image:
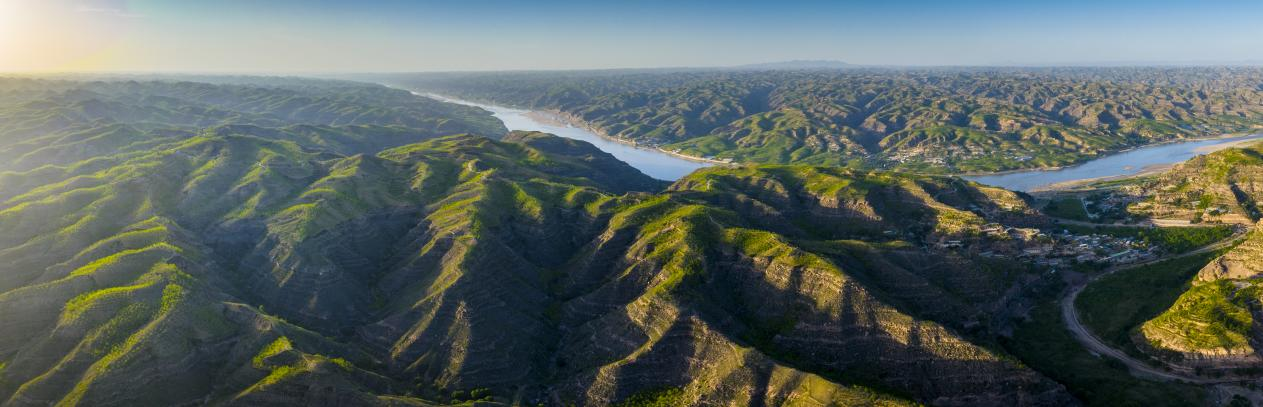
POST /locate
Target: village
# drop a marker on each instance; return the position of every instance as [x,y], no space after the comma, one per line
[1054,247]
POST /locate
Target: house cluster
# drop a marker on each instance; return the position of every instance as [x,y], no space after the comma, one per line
[1110,206]
[916,156]
[1094,248]
[1056,248]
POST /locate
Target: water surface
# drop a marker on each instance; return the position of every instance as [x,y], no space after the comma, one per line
[1121,164]
[652,162]
[664,166]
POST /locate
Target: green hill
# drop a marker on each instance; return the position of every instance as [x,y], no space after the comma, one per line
[59,122]
[1212,324]
[286,263]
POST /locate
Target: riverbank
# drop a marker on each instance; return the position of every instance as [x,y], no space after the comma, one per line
[1203,150]
[571,120]
[1238,143]
[559,118]
[1139,161]
[1151,169]
[655,162]
[1072,185]
[1126,163]
[1154,169]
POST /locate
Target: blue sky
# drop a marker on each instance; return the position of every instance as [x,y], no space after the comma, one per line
[343,36]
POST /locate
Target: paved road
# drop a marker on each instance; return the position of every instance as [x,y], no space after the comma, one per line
[1089,340]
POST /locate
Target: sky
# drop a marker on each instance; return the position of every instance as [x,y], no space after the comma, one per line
[314,36]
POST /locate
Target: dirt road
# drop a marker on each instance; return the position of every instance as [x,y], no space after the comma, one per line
[1139,368]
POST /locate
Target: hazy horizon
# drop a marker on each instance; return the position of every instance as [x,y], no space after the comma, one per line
[293,37]
[352,73]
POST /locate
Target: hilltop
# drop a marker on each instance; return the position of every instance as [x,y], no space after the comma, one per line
[1224,187]
[393,275]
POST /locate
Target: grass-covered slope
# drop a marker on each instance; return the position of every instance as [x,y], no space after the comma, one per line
[1212,324]
[243,266]
[161,265]
[764,258]
[1211,320]
[45,121]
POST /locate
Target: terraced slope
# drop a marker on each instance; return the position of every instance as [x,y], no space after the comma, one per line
[1210,325]
[932,120]
[1213,324]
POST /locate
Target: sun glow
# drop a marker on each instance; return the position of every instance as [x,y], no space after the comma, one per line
[53,35]
[10,27]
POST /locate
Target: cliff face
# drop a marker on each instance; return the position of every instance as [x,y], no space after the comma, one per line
[229,268]
[1243,262]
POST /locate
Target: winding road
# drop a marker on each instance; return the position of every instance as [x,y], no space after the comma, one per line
[1089,340]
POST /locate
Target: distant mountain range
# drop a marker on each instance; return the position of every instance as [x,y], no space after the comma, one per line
[795,65]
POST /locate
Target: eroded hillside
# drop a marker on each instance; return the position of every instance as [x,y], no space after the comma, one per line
[1213,324]
[266,263]
[247,270]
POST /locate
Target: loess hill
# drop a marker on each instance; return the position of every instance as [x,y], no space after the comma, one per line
[1214,323]
[952,120]
[310,242]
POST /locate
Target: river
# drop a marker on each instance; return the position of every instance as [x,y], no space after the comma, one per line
[665,166]
[1123,164]
[652,162]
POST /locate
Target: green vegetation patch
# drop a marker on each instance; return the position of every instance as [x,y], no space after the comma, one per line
[274,348]
[667,397]
[1115,305]
[1172,239]
[1067,208]
[1044,344]
[1209,316]
[80,304]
